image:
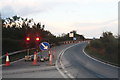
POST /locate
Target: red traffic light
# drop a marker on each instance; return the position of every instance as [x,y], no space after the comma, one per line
[37,38]
[27,38]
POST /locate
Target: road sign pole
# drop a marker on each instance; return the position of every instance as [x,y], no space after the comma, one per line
[28,52]
[37,43]
[37,49]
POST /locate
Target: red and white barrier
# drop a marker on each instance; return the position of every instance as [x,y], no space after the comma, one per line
[35,59]
[50,57]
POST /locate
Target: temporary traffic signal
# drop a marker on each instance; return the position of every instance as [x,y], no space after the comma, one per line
[37,38]
[27,38]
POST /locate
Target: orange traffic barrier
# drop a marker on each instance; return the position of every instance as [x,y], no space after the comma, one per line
[35,58]
[50,58]
[7,60]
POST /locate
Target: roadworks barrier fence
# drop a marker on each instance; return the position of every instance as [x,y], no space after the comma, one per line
[16,55]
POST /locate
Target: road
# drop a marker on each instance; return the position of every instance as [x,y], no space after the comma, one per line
[76,63]
[22,69]
[71,63]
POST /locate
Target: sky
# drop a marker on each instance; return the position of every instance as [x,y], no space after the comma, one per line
[88,17]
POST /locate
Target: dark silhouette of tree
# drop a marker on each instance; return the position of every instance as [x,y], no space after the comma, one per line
[43,26]
[15,18]
[38,25]
[19,28]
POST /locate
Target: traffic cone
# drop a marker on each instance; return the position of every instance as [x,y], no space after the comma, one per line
[35,58]
[50,58]
[7,60]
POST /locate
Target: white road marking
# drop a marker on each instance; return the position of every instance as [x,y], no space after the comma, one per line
[68,74]
[65,71]
[60,70]
[60,55]
[99,60]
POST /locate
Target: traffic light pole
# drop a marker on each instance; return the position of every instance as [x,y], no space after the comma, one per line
[27,45]
[37,43]
[37,46]
[28,52]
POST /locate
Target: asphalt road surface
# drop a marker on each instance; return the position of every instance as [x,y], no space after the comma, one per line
[79,65]
[71,62]
[22,69]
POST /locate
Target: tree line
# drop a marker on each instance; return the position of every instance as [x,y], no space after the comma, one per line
[15,29]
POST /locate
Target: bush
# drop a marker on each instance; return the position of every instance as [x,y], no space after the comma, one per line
[9,45]
[96,44]
[108,45]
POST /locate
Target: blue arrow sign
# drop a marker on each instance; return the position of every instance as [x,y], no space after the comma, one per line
[44,46]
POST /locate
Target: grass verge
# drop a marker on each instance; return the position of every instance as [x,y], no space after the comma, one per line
[107,58]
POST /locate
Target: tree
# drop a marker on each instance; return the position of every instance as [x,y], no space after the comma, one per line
[109,42]
[38,25]
[15,18]
[43,26]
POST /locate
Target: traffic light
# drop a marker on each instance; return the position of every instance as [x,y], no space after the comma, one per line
[37,38]
[27,38]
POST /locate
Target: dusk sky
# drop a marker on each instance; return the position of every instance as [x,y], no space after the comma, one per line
[88,17]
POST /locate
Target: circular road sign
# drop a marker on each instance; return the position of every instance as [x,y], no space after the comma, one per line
[44,46]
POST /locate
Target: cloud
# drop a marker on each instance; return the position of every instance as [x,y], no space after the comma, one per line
[88,29]
[24,7]
[95,28]
[7,11]
[95,23]
[58,28]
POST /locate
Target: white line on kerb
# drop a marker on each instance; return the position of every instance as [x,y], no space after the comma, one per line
[58,67]
[61,54]
[60,71]
[99,60]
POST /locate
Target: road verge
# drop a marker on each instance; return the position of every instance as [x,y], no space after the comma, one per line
[99,59]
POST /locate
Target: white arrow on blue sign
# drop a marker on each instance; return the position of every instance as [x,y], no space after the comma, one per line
[44,46]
